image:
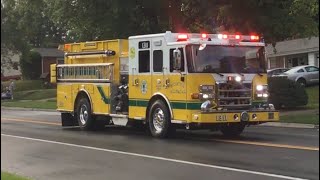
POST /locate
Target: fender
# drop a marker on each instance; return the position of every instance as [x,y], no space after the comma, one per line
[167,101]
[82,90]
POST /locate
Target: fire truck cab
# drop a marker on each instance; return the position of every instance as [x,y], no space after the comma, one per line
[166,81]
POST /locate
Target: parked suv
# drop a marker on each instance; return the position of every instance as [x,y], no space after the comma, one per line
[305,75]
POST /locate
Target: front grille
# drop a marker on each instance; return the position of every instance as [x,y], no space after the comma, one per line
[233,95]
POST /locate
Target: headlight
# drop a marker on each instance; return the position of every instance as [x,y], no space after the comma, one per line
[206,96]
[238,79]
[259,88]
[262,91]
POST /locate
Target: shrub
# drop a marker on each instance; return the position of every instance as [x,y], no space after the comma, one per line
[284,92]
[30,63]
[25,85]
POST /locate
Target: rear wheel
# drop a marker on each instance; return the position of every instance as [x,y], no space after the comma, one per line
[159,120]
[232,130]
[302,82]
[84,116]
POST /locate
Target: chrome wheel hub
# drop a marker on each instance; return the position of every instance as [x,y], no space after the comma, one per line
[84,114]
[158,120]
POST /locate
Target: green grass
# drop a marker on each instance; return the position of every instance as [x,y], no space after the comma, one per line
[40,98]
[304,118]
[30,104]
[24,85]
[35,94]
[313,97]
[9,176]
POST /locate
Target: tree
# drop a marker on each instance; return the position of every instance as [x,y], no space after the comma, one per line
[42,23]
[25,24]
[30,64]
[276,20]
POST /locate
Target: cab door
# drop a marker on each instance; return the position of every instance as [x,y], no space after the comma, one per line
[167,81]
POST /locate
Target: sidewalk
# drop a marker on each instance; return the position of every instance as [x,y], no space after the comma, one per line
[299,111]
[290,125]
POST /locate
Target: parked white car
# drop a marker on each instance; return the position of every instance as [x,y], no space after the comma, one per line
[305,75]
[276,71]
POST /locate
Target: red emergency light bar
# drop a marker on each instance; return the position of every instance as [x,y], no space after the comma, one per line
[182,37]
[204,36]
[254,38]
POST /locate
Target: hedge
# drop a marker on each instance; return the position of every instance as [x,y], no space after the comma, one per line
[286,93]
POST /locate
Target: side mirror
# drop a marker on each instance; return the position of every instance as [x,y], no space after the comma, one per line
[202,47]
[177,59]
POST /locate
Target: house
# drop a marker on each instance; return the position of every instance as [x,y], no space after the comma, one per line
[10,68]
[288,54]
[49,56]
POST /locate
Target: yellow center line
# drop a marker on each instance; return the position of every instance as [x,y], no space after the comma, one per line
[30,121]
[217,140]
[269,145]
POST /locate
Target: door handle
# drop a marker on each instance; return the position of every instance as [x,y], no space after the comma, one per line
[135,81]
[167,83]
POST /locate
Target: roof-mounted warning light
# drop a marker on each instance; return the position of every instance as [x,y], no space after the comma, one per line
[204,36]
[182,37]
[222,36]
[254,38]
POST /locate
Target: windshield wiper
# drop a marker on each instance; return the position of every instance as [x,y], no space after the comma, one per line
[217,73]
[240,74]
[259,74]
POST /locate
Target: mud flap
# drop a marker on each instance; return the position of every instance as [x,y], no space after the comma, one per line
[68,119]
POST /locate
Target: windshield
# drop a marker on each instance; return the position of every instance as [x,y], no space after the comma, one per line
[225,59]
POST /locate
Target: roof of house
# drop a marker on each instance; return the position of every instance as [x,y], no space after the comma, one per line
[49,52]
[291,47]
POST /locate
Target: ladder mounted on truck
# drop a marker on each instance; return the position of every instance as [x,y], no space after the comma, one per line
[95,72]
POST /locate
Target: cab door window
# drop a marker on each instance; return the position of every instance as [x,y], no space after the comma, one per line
[157,61]
[144,61]
[144,56]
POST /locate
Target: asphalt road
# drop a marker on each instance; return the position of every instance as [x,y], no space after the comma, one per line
[33,144]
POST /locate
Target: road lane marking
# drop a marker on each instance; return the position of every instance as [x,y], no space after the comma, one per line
[203,139]
[31,121]
[264,144]
[159,158]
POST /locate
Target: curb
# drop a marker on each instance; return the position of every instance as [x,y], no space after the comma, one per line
[290,125]
[27,109]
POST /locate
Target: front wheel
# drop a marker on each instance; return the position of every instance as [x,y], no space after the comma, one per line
[84,116]
[232,130]
[159,120]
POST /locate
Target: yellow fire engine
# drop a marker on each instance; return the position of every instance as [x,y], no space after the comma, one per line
[165,81]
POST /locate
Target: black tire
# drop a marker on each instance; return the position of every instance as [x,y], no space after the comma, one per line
[302,82]
[83,114]
[159,128]
[232,130]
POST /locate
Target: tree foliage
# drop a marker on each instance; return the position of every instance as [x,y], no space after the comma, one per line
[30,64]
[42,23]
